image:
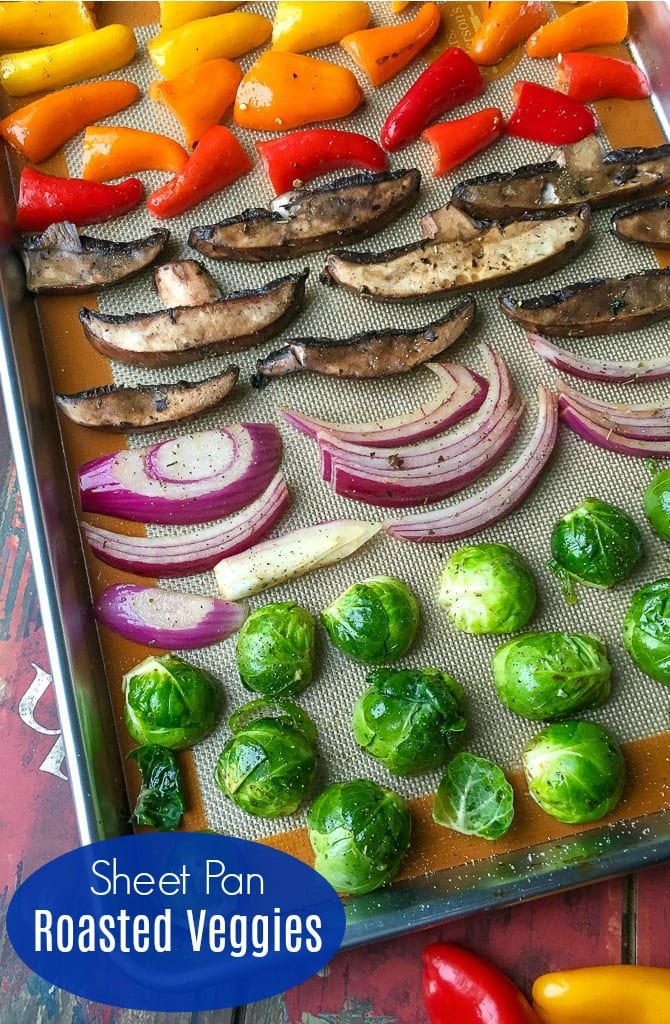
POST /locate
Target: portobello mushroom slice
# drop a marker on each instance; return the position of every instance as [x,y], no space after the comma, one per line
[147,406]
[577,173]
[381,353]
[518,250]
[311,220]
[647,221]
[185,283]
[184,334]
[600,306]
[63,261]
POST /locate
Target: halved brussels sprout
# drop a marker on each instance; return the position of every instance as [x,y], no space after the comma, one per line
[474,797]
[409,719]
[551,675]
[487,588]
[360,833]
[269,764]
[275,649]
[170,701]
[597,544]
[656,503]
[646,629]
[374,621]
[575,771]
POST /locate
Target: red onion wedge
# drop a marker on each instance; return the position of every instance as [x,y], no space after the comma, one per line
[197,551]
[293,554]
[167,618]
[498,499]
[188,479]
[582,422]
[644,422]
[589,368]
[461,392]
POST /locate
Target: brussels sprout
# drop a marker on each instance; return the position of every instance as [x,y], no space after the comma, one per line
[275,650]
[656,503]
[160,802]
[487,588]
[474,798]
[409,719]
[575,771]
[646,629]
[551,675]
[596,543]
[269,764]
[360,833]
[374,621]
[170,702]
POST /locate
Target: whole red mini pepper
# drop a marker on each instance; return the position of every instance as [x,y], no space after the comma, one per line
[448,82]
[45,199]
[460,987]
[590,76]
[546,115]
[290,160]
[454,142]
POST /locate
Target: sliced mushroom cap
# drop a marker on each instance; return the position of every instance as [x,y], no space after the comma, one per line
[311,220]
[185,283]
[647,221]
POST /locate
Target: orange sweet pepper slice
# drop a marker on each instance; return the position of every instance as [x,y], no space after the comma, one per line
[43,126]
[113,151]
[504,26]
[382,52]
[224,35]
[200,97]
[304,26]
[593,24]
[288,90]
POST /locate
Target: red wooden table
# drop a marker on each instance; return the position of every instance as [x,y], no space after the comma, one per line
[622,919]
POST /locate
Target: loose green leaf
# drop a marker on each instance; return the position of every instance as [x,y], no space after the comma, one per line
[474,798]
[160,803]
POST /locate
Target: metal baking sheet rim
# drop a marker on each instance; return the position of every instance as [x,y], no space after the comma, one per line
[93,759]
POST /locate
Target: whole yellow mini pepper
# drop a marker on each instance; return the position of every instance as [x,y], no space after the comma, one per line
[178,12]
[52,67]
[617,994]
[305,26]
[24,25]
[225,35]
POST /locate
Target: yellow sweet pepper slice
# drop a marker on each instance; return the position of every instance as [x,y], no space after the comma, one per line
[52,67]
[178,12]
[224,35]
[616,994]
[24,25]
[305,26]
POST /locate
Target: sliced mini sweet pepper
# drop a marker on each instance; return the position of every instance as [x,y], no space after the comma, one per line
[174,13]
[454,142]
[52,67]
[40,128]
[589,76]
[24,25]
[382,52]
[224,35]
[615,994]
[291,160]
[305,26]
[593,24]
[288,90]
[460,987]
[200,97]
[504,26]
[217,161]
[448,82]
[398,6]
[45,199]
[546,115]
[113,151]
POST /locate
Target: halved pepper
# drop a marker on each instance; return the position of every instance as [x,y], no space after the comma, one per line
[199,97]
[504,26]
[454,142]
[45,199]
[305,26]
[25,25]
[217,161]
[291,160]
[224,35]
[382,52]
[460,987]
[288,90]
[546,115]
[615,994]
[589,76]
[174,13]
[593,24]
[112,151]
[40,128]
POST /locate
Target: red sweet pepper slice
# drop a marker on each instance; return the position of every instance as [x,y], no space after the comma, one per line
[217,161]
[589,76]
[291,160]
[546,115]
[460,987]
[448,82]
[45,199]
[454,142]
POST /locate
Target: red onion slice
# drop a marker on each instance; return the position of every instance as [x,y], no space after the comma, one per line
[650,422]
[579,420]
[461,392]
[496,500]
[167,618]
[198,551]
[609,370]
[188,479]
